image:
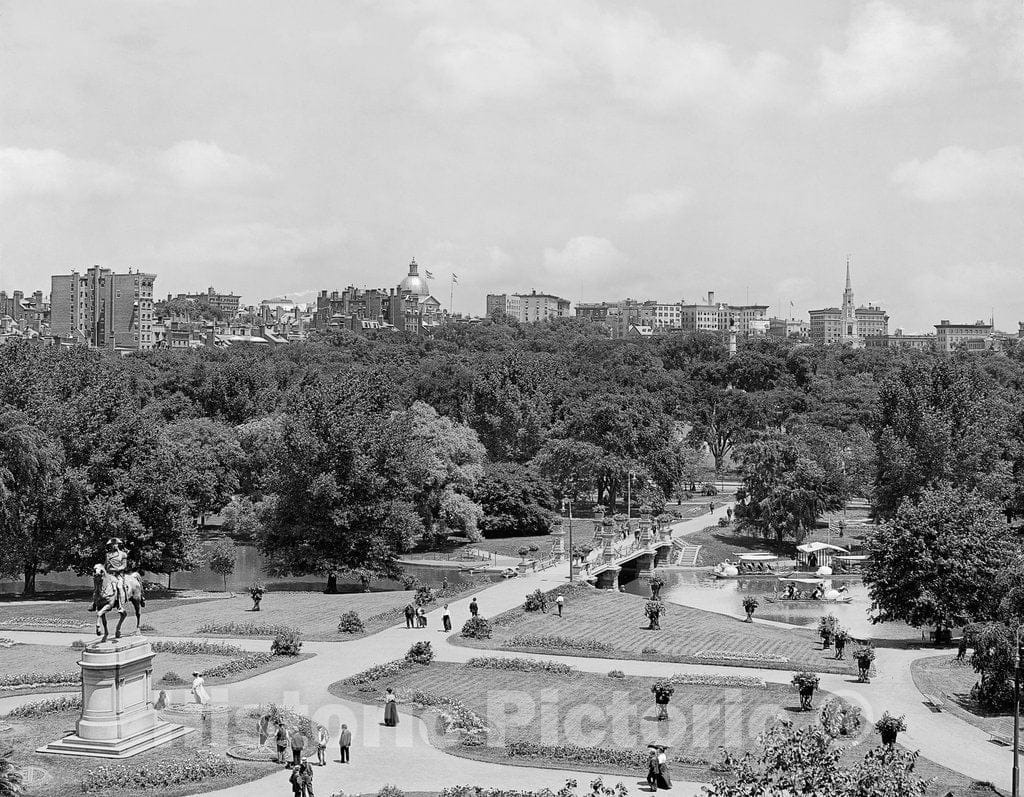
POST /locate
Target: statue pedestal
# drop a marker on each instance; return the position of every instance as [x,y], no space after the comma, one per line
[118,719]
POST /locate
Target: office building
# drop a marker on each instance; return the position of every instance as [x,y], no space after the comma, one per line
[103,309]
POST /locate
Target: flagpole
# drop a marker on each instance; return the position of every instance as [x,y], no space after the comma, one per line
[451,298]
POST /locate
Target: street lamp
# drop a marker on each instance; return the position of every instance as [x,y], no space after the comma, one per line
[1016,713]
[629,496]
[567,504]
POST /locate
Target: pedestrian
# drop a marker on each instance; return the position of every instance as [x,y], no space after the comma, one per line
[961,649]
[840,644]
[664,780]
[390,708]
[306,778]
[422,614]
[321,746]
[298,745]
[410,613]
[282,743]
[473,608]
[560,602]
[199,693]
[652,767]
[296,781]
[446,618]
[344,742]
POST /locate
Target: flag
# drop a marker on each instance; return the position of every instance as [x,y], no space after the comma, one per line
[455,278]
[429,275]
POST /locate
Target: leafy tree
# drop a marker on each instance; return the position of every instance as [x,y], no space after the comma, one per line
[515,500]
[221,559]
[721,419]
[570,465]
[993,659]
[11,781]
[936,562]
[241,518]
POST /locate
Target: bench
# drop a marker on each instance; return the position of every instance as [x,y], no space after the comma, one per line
[934,702]
[998,738]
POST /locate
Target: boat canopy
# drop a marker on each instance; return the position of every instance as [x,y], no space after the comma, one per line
[804,580]
[853,557]
[757,557]
[815,547]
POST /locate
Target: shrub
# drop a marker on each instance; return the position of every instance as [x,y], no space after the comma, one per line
[536,601]
[245,629]
[476,628]
[455,716]
[890,723]
[250,661]
[750,603]
[377,672]
[697,679]
[190,648]
[663,689]
[171,677]
[286,644]
[423,596]
[191,769]
[519,665]
[410,582]
[649,651]
[420,653]
[387,790]
[864,653]
[805,680]
[559,643]
[616,674]
[839,718]
[284,715]
[578,754]
[533,547]
[40,708]
[28,679]
[350,624]
[523,551]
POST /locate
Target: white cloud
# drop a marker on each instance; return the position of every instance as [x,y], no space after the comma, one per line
[34,173]
[888,53]
[955,174]
[201,165]
[654,205]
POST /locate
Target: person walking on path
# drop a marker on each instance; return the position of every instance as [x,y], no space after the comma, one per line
[306,778]
[321,746]
[296,781]
[446,618]
[840,644]
[298,745]
[664,780]
[199,693]
[473,608]
[652,767]
[344,742]
[282,743]
[560,602]
[421,613]
[410,613]
[390,708]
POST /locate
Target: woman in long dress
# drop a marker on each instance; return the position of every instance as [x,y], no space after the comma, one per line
[390,708]
[664,780]
[199,693]
[652,767]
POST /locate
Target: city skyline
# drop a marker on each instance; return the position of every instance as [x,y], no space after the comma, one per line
[590,150]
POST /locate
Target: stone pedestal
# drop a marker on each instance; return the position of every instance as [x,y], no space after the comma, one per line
[118,719]
[558,547]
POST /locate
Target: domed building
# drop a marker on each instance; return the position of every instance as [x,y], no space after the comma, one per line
[411,307]
[414,283]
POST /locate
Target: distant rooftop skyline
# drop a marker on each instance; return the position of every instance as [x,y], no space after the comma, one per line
[588,148]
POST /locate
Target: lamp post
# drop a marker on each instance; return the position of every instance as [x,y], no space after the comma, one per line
[1016,714]
[567,504]
[629,497]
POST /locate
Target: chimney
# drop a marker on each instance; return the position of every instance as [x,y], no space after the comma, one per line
[711,297]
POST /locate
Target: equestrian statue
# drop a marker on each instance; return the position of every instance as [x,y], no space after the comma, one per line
[115,588]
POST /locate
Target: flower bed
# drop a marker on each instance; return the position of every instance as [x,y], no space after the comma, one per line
[245,629]
[519,665]
[601,756]
[40,708]
[695,679]
[558,643]
[732,655]
[455,717]
[191,769]
[24,680]
[46,622]
[250,661]
[7,643]
[378,671]
[197,648]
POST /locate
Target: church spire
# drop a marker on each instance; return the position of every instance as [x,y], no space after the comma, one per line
[848,286]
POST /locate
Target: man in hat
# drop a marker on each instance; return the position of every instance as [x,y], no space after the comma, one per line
[117,566]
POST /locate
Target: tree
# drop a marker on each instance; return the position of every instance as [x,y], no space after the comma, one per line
[720,419]
[221,559]
[443,462]
[570,466]
[804,761]
[11,781]
[515,500]
[936,562]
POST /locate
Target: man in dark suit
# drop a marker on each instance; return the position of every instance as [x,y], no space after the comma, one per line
[345,741]
[410,615]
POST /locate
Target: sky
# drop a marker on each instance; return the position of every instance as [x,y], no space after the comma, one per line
[591,149]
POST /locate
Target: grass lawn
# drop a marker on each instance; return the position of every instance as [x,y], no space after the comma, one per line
[72,614]
[617,619]
[53,658]
[611,714]
[951,682]
[68,772]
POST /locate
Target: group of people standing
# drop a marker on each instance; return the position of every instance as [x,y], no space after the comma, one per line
[416,616]
[657,767]
[293,739]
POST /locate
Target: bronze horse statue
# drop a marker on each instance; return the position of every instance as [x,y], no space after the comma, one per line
[104,599]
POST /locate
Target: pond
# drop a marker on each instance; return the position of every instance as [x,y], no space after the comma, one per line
[248,567]
[702,591]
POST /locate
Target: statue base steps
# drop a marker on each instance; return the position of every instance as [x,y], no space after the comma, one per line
[117,748]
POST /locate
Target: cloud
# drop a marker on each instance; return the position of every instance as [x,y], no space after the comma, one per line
[253,243]
[955,174]
[656,205]
[532,50]
[35,173]
[888,53]
[202,164]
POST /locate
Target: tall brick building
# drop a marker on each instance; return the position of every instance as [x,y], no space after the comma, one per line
[103,309]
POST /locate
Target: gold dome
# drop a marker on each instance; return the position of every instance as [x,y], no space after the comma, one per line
[414,283]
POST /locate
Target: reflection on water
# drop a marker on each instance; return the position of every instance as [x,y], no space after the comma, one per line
[249,567]
[701,590]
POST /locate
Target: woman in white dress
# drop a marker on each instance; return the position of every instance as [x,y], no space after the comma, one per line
[199,693]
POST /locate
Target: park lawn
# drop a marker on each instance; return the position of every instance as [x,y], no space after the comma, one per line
[54,658]
[68,772]
[314,615]
[951,682]
[617,619]
[74,615]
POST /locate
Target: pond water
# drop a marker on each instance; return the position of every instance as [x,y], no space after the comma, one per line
[248,567]
[703,591]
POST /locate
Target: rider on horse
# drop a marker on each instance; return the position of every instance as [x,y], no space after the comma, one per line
[117,566]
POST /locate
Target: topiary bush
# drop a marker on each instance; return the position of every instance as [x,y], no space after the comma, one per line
[420,653]
[286,644]
[171,677]
[536,601]
[476,628]
[350,624]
